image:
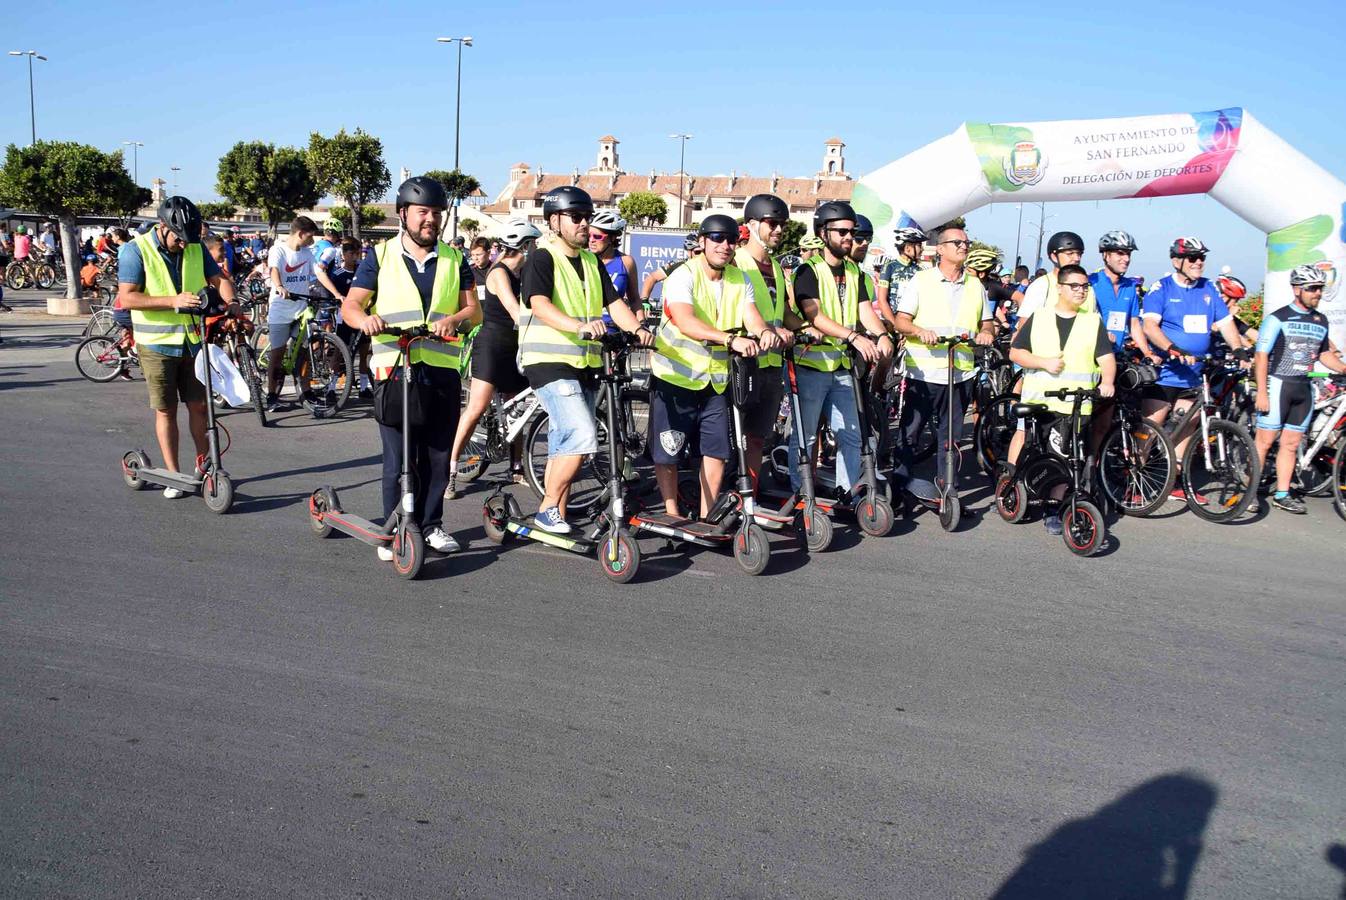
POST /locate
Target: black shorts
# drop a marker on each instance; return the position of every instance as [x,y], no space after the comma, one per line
[493,360]
[1164,392]
[759,418]
[681,420]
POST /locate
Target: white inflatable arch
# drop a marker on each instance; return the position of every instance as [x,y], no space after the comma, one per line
[1225,153]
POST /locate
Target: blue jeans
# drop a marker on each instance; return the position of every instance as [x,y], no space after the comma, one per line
[571,430]
[830,391]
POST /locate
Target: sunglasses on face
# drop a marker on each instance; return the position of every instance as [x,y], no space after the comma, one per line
[842,231]
[577,218]
[864,237]
[774,223]
[1195,257]
[1313,288]
[961,244]
[1078,287]
[720,237]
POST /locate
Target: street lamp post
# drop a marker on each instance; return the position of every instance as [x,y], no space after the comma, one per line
[32,110]
[176,170]
[682,172]
[457,113]
[135,159]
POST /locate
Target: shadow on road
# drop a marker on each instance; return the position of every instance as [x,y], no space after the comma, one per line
[245,503]
[313,470]
[1143,846]
[1336,857]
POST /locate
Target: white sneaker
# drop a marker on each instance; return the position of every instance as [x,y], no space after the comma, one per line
[385,553]
[173,493]
[441,541]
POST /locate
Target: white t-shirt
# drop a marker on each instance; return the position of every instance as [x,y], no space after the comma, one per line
[1042,292]
[296,273]
[678,288]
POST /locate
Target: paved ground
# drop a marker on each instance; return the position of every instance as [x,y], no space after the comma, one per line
[203,706]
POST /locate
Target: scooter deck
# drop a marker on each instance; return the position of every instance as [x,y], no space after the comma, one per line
[680,528]
[358,527]
[572,543]
[923,490]
[165,478]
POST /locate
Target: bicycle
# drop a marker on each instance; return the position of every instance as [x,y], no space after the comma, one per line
[101,317]
[1137,466]
[23,273]
[103,357]
[318,360]
[232,331]
[1320,449]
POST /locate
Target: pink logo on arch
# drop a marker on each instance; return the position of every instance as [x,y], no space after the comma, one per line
[1217,136]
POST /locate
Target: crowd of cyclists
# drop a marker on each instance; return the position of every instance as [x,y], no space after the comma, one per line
[938,345]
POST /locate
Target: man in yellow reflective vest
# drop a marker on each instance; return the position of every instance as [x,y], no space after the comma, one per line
[706,302]
[1062,346]
[835,299]
[410,280]
[947,299]
[765,216]
[565,290]
[159,274]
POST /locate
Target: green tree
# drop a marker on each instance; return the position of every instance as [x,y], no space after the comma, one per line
[643,208]
[211,210]
[791,235]
[66,180]
[350,167]
[982,245]
[369,215]
[273,179]
[459,185]
[471,226]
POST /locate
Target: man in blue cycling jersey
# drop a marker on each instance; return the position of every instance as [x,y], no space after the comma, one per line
[1292,339]
[1118,302]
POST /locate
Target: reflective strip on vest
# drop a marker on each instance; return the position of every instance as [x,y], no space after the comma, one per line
[164,326]
[831,353]
[932,314]
[689,363]
[1081,369]
[539,343]
[397,301]
[771,308]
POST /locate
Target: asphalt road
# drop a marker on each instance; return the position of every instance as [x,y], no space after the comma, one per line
[227,706]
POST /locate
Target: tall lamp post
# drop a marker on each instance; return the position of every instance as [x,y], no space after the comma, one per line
[176,170]
[457,113]
[682,172]
[135,159]
[32,111]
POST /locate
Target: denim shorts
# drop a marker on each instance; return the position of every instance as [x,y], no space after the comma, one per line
[570,412]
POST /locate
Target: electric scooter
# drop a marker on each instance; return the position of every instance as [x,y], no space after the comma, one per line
[938,496]
[617,551]
[208,478]
[733,516]
[400,532]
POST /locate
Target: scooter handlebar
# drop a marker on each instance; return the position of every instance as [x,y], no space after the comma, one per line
[1068,393]
[951,340]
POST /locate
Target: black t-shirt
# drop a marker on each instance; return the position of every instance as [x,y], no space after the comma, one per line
[806,287]
[1023,340]
[493,313]
[998,293]
[538,279]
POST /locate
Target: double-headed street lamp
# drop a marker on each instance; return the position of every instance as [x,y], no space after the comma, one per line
[457,112]
[135,159]
[32,112]
[175,170]
[682,171]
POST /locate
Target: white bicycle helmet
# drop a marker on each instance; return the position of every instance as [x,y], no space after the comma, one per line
[608,221]
[1117,240]
[1307,275]
[908,236]
[517,233]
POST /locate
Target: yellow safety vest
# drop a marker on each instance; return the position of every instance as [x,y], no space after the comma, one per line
[1081,369]
[539,342]
[772,310]
[1089,305]
[693,364]
[397,301]
[164,326]
[933,314]
[832,354]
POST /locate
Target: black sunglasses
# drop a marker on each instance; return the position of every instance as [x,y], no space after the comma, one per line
[719,237]
[1195,257]
[579,217]
[842,231]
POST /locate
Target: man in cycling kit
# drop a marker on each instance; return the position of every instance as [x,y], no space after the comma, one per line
[1234,291]
[605,238]
[691,245]
[705,302]
[1118,302]
[1292,339]
[414,279]
[565,291]
[910,241]
[984,263]
[291,267]
[1065,248]
[495,350]
[945,300]
[1181,311]
[765,216]
[834,299]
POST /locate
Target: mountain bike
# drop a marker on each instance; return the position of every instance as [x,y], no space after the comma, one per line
[232,331]
[25,273]
[1317,453]
[1137,466]
[318,360]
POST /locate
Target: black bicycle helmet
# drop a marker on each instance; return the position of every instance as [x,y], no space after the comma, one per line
[765,206]
[832,211]
[864,229]
[181,217]
[1064,240]
[420,190]
[718,224]
[567,198]
[1187,246]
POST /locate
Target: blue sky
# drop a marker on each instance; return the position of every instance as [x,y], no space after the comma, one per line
[761,86]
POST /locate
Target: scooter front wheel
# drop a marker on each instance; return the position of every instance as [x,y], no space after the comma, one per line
[320,503]
[816,529]
[408,552]
[874,515]
[950,512]
[132,463]
[218,492]
[751,549]
[619,555]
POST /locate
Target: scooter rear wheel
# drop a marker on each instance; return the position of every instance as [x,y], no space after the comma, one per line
[752,549]
[874,515]
[409,552]
[218,492]
[320,503]
[619,555]
[494,513]
[132,463]
[816,530]
[1083,528]
[950,512]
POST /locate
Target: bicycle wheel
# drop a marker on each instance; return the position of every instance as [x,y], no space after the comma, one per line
[322,374]
[587,488]
[1221,490]
[995,428]
[99,358]
[247,364]
[44,275]
[16,276]
[260,341]
[101,322]
[59,270]
[1137,468]
[1339,478]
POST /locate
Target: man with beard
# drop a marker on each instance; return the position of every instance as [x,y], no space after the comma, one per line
[409,280]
